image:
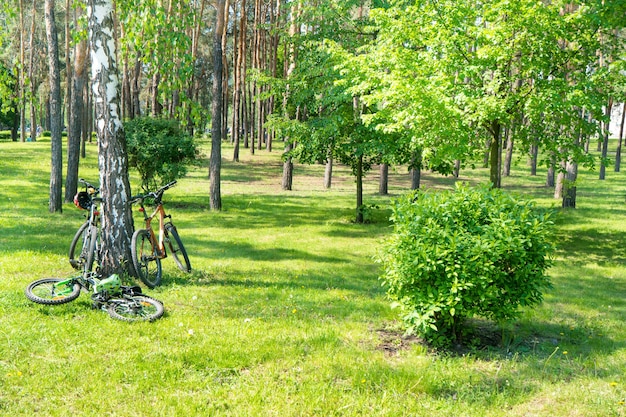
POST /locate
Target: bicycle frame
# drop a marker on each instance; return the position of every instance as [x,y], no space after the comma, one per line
[158,244]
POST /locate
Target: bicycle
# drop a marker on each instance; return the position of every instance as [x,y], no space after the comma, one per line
[146,250]
[88,233]
[120,302]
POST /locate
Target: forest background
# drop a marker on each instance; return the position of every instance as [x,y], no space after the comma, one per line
[428,84]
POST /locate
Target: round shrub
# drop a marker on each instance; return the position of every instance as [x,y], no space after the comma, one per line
[464,253]
[159,149]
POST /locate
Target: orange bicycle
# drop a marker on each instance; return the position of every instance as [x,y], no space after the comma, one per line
[147,250]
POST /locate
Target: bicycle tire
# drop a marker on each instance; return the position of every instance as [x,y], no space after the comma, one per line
[135,308]
[78,237]
[147,265]
[176,248]
[90,244]
[44,291]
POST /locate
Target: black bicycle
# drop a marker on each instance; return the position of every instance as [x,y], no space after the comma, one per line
[85,247]
[120,302]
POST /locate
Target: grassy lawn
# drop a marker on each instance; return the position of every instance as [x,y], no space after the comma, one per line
[284,315]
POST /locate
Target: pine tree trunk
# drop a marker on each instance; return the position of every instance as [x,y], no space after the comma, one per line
[56,173]
[75,120]
[31,75]
[225,75]
[216,110]
[117,220]
[22,77]
[68,64]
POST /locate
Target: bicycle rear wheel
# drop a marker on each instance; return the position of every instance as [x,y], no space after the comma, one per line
[87,239]
[75,258]
[135,308]
[90,248]
[176,248]
[52,291]
[147,264]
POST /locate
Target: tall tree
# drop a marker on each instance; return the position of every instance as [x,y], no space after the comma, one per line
[56,172]
[31,73]
[21,75]
[117,221]
[75,116]
[217,108]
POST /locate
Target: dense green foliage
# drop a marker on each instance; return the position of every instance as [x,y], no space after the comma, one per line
[459,254]
[159,150]
[8,102]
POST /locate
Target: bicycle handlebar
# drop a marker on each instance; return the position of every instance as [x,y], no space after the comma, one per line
[154,194]
[89,186]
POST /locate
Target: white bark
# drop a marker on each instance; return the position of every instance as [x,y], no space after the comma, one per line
[117,222]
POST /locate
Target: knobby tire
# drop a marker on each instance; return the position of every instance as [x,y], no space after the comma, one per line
[135,308]
[43,291]
[147,265]
[177,249]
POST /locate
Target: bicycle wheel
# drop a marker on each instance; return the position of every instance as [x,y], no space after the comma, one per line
[90,248]
[176,248]
[147,264]
[52,291]
[135,308]
[75,259]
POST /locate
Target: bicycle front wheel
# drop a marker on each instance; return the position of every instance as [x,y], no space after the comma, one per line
[135,308]
[147,264]
[52,291]
[176,248]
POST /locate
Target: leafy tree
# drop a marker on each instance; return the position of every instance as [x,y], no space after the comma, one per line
[320,117]
[452,75]
[159,149]
[8,100]
[458,254]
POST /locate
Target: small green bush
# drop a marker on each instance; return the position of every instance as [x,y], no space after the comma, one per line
[159,149]
[465,253]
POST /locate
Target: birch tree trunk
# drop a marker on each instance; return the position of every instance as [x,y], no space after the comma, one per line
[618,151]
[56,171]
[605,138]
[117,221]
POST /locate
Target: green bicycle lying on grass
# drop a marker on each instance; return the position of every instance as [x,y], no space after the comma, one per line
[121,302]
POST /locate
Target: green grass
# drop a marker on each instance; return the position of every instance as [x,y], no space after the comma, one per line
[283,314]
